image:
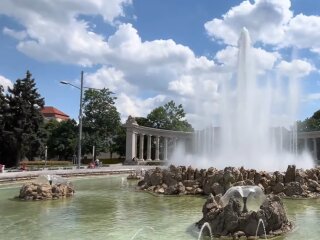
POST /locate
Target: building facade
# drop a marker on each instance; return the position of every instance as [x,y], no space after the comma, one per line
[50,113]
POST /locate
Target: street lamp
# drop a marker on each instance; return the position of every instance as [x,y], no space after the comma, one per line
[45,156]
[80,112]
[80,115]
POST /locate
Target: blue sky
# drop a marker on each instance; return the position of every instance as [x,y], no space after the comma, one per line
[151,51]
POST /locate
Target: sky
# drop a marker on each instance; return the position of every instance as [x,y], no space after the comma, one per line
[149,52]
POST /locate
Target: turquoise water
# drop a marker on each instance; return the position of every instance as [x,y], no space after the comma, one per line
[110,208]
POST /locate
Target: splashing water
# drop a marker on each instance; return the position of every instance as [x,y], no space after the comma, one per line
[264,229]
[254,123]
[140,230]
[124,182]
[206,224]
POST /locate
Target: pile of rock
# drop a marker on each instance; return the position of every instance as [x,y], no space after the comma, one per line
[38,191]
[135,175]
[187,180]
[232,222]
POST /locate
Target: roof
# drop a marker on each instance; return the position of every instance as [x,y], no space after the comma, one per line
[53,110]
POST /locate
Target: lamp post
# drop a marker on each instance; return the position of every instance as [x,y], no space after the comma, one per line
[45,156]
[80,112]
[80,116]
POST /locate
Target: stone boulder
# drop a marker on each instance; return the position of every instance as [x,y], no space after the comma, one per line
[293,189]
[290,175]
[156,177]
[313,186]
[278,188]
[38,191]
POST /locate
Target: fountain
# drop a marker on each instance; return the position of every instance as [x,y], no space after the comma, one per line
[226,217]
[254,126]
[245,192]
[264,229]
[205,225]
[46,187]
[140,230]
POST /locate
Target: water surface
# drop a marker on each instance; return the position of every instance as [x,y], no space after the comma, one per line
[110,208]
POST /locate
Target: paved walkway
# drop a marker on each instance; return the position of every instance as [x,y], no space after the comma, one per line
[112,169]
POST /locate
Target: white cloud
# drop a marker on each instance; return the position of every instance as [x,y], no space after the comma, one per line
[265,19]
[55,32]
[152,68]
[263,59]
[5,82]
[183,86]
[135,106]
[108,77]
[269,22]
[303,32]
[296,68]
[146,74]
[19,35]
[312,97]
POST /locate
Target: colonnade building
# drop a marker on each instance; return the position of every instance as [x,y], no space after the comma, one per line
[145,144]
[158,145]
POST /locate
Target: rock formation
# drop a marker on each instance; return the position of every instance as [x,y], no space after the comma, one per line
[294,183]
[44,191]
[232,222]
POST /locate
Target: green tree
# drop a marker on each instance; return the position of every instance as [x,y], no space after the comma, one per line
[101,121]
[310,124]
[142,121]
[169,116]
[62,138]
[37,143]
[3,110]
[119,144]
[3,107]
[23,120]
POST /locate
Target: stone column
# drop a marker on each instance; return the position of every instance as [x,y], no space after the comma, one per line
[165,150]
[194,142]
[157,148]
[149,148]
[315,155]
[141,146]
[281,139]
[305,144]
[131,139]
[131,145]
[136,142]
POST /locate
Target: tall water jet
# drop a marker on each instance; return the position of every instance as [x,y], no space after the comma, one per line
[249,132]
[245,125]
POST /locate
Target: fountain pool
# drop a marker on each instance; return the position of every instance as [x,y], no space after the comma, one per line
[110,208]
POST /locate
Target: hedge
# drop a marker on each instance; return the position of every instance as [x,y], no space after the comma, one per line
[104,161]
[48,163]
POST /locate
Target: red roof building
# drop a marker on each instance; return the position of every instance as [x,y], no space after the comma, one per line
[53,113]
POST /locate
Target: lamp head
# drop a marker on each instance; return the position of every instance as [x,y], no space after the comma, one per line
[64,82]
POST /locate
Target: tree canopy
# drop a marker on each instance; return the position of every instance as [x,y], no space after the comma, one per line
[3,107]
[310,124]
[62,139]
[101,120]
[169,116]
[21,121]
